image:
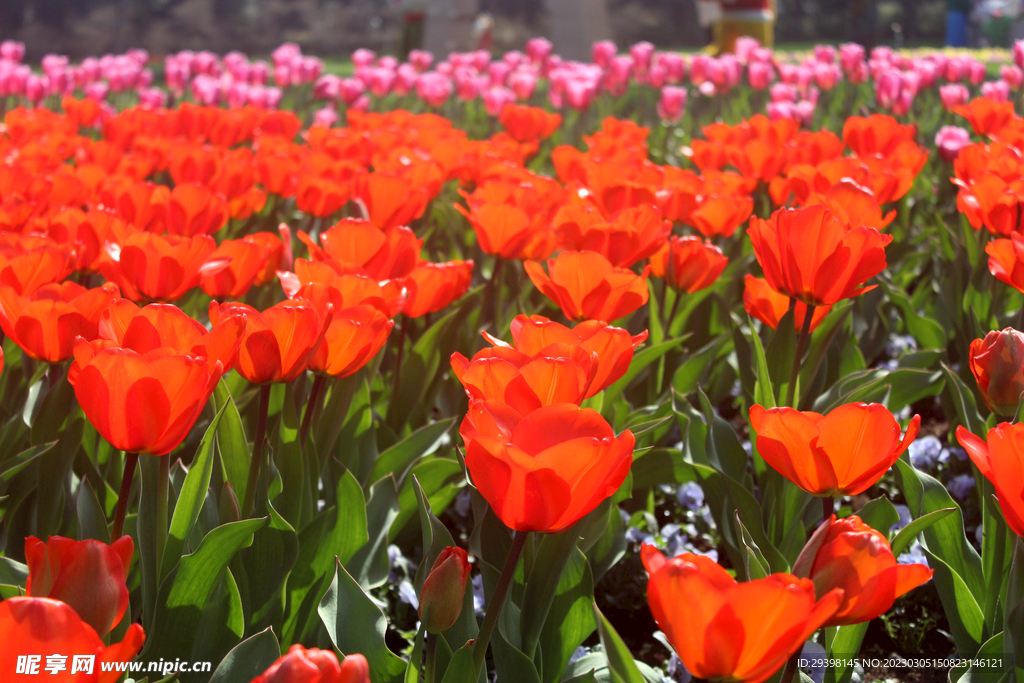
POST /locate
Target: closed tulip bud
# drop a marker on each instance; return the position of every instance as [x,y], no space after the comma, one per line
[443,591]
[301,665]
[849,554]
[87,575]
[997,362]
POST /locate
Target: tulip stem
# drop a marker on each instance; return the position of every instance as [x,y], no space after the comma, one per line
[828,508]
[672,314]
[791,671]
[130,459]
[497,600]
[398,359]
[431,655]
[163,482]
[801,344]
[312,405]
[257,452]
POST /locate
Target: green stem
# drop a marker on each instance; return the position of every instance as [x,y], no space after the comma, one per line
[496,282]
[497,601]
[130,460]
[398,361]
[163,485]
[828,508]
[791,671]
[257,452]
[672,313]
[312,405]
[801,344]
[995,586]
[431,655]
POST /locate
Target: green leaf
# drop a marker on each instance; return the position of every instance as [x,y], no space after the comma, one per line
[460,669]
[22,460]
[370,565]
[688,375]
[191,498]
[12,572]
[842,643]
[92,523]
[267,565]
[879,514]
[908,533]
[570,619]
[436,536]
[356,624]
[441,480]
[550,559]
[232,448]
[966,620]
[188,593]
[764,393]
[400,458]
[963,400]
[620,660]
[248,659]
[754,564]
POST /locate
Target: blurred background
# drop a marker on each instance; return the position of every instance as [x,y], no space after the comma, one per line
[79,28]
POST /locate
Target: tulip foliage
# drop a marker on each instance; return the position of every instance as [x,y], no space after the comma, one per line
[374,394]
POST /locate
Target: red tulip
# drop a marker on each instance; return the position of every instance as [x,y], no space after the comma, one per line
[312,665]
[850,555]
[839,454]
[546,470]
[388,295]
[87,575]
[432,287]
[46,323]
[809,255]
[633,234]
[248,261]
[384,255]
[444,590]
[37,629]
[1001,461]
[33,263]
[688,263]
[997,362]
[278,343]
[612,347]
[148,266]
[141,403]
[587,287]
[768,306]
[1006,260]
[154,326]
[729,631]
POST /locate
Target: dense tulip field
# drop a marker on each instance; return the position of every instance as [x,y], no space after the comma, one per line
[655,368]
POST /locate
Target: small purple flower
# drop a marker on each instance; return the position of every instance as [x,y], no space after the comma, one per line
[924,452]
[690,495]
[960,486]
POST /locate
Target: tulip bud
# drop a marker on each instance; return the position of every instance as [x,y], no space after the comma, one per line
[355,669]
[997,362]
[443,591]
[87,575]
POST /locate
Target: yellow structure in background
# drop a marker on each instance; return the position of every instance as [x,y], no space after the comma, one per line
[754,18]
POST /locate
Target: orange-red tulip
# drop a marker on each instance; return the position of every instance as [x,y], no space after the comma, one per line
[850,555]
[560,373]
[1001,461]
[194,209]
[321,196]
[248,259]
[587,287]
[444,590]
[509,231]
[46,323]
[997,362]
[148,266]
[141,403]
[384,255]
[688,263]
[312,665]
[526,123]
[39,627]
[721,214]
[278,343]
[1006,260]
[390,200]
[546,470]
[27,268]
[633,234]
[768,306]
[809,255]
[357,330]
[729,631]
[387,295]
[986,116]
[165,325]
[431,287]
[839,454]
[612,347]
[877,135]
[87,575]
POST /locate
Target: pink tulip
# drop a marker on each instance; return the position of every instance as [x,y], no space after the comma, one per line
[405,79]
[760,74]
[381,79]
[259,73]
[779,110]
[803,111]
[826,75]
[434,88]
[699,69]
[996,90]
[950,140]
[745,47]
[955,69]
[888,86]
[363,57]
[850,54]
[325,117]
[641,53]
[421,59]
[351,89]
[35,88]
[97,91]
[499,72]
[12,51]
[672,103]
[826,54]
[580,94]
[953,95]
[975,72]
[657,76]
[523,83]
[1018,53]
[1012,75]
[602,52]
[390,63]
[538,49]
[496,98]
[903,103]
[152,98]
[327,87]
[783,92]
[480,59]
[674,64]
[513,58]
